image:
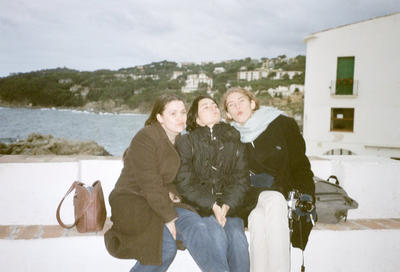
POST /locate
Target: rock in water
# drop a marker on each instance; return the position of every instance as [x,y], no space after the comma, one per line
[38,144]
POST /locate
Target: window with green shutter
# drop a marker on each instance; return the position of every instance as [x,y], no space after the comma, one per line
[345,75]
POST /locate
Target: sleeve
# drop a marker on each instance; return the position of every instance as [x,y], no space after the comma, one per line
[193,191]
[299,164]
[142,160]
[239,181]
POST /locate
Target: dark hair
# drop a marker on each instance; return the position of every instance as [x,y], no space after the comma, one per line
[159,107]
[193,113]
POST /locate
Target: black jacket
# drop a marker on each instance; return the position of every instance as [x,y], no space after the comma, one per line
[213,168]
[280,152]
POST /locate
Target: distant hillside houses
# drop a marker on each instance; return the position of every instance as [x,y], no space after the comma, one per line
[82,90]
[285,90]
[219,70]
[65,81]
[135,77]
[265,73]
[192,82]
[176,74]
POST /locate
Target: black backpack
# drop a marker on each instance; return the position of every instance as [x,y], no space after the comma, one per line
[332,201]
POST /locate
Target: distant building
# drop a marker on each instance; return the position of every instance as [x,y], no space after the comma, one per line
[181,64]
[192,82]
[264,73]
[176,74]
[280,74]
[352,89]
[135,77]
[286,90]
[218,70]
[65,81]
[250,75]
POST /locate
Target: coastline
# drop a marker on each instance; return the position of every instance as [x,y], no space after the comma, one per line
[111,130]
[76,109]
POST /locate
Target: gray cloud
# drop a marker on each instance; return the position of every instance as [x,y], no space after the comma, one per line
[93,34]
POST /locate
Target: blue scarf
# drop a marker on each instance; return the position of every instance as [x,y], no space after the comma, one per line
[257,123]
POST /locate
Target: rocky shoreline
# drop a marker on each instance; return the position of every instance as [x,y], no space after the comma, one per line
[93,107]
[38,144]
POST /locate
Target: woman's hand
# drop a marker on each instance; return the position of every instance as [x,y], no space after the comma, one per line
[221,219]
[225,209]
[174,198]
[171,227]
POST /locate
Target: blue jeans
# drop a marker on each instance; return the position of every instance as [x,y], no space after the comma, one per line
[214,248]
[168,255]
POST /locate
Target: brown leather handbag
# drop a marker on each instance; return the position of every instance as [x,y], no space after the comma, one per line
[89,207]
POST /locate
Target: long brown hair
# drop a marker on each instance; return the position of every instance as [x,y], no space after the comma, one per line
[159,107]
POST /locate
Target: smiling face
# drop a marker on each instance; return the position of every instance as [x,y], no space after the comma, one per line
[208,113]
[173,118]
[239,107]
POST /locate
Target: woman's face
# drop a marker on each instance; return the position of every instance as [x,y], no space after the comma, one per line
[208,113]
[240,107]
[173,118]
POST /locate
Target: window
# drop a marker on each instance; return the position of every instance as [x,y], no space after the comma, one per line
[339,151]
[342,119]
[345,75]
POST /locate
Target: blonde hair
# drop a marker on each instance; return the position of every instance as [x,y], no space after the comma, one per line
[243,91]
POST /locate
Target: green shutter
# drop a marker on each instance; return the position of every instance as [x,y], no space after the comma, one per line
[345,75]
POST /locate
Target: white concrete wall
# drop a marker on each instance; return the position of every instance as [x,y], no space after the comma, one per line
[327,251]
[375,45]
[374,182]
[35,189]
[32,191]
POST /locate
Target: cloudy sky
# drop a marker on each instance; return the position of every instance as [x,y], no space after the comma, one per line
[103,34]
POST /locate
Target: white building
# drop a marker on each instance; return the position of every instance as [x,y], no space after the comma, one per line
[250,75]
[264,73]
[352,89]
[176,74]
[286,90]
[280,74]
[218,70]
[135,77]
[192,82]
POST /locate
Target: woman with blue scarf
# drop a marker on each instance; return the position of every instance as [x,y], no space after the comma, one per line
[275,151]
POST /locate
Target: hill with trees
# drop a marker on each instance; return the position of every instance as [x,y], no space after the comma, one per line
[134,88]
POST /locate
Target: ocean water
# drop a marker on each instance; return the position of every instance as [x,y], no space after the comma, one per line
[113,131]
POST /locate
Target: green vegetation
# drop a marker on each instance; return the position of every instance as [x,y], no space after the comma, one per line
[136,87]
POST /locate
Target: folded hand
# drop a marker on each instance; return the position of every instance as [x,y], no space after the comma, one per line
[219,214]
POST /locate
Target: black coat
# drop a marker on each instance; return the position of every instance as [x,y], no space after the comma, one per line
[280,152]
[213,168]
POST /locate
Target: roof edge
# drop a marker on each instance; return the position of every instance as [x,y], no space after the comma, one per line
[312,35]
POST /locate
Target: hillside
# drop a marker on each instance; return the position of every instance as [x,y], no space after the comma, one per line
[134,89]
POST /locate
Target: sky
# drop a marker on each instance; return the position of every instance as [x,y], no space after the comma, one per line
[102,34]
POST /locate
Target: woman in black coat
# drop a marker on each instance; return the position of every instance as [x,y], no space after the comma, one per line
[213,178]
[275,149]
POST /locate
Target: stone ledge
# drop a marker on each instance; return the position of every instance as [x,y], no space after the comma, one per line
[26,232]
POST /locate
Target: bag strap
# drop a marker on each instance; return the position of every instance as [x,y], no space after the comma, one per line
[336,180]
[73,186]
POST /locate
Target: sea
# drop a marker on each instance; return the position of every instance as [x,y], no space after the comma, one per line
[113,131]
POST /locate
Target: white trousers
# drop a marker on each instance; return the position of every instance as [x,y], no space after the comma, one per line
[269,234]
